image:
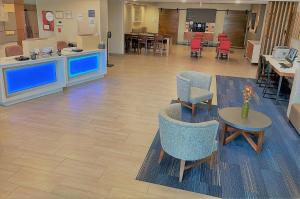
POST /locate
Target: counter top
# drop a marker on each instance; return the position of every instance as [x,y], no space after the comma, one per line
[11,61]
[254,42]
[85,52]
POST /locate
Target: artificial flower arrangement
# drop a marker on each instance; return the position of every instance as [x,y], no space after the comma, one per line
[247,95]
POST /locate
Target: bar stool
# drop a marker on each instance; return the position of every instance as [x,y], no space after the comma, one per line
[158,44]
[142,43]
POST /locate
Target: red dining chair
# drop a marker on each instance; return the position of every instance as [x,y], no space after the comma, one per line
[220,39]
[222,35]
[224,49]
[196,47]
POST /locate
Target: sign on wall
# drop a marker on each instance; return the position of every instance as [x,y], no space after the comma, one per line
[48,20]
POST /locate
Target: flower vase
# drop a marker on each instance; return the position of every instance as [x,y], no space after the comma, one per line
[245,110]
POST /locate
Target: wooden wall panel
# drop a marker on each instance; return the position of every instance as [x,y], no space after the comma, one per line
[280,23]
[235,25]
[168,23]
[20,20]
[296,31]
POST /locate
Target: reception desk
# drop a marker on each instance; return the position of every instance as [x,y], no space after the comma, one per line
[85,66]
[207,36]
[25,80]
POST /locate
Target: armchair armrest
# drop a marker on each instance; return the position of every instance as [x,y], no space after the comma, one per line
[183,88]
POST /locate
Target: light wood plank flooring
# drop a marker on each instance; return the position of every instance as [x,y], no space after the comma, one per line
[90,140]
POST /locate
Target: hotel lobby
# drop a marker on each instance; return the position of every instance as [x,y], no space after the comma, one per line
[149,99]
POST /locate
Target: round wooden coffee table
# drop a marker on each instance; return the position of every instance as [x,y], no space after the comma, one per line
[255,124]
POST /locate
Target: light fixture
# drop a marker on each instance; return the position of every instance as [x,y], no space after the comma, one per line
[200,4]
[237,1]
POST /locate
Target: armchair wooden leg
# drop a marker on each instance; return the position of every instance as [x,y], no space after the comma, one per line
[213,160]
[209,104]
[193,109]
[161,155]
[182,168]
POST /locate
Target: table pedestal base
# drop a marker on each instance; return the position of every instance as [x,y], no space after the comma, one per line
[257,146]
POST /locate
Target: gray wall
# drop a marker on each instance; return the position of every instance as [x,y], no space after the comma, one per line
[201,15]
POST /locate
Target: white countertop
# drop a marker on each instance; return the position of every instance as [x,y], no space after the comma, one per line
[254,42]
[85,52]
[276,64]
[11,61]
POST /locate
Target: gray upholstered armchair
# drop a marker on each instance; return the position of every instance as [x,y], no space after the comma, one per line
[194,88]
[293,111]
[186,141]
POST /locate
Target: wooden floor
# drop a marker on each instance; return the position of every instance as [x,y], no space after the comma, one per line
[90,140]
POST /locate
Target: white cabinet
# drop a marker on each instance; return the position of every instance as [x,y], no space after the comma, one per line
[253,51]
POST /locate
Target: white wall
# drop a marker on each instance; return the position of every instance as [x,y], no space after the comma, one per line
[150,18]
[69,30]
[103,19]
[116,26]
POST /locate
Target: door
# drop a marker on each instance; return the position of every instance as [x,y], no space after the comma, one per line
[168,23]
[235,24]
[31,21]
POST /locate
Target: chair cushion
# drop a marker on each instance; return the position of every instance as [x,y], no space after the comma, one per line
[200,95]
[295,116]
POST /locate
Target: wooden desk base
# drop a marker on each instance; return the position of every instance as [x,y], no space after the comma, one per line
[247,135]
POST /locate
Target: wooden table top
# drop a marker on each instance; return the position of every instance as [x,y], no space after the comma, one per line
[255,122]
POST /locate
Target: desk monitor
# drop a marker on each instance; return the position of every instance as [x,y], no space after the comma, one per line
[292,55]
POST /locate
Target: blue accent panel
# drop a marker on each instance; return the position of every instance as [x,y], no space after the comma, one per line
[24,78]
[82,65]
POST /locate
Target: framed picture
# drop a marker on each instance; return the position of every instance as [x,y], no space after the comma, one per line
[59,14]
[48,20]
[68,14]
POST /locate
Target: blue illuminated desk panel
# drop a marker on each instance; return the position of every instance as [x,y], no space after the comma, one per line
[29,77]
[78,66]
[85,66]
[25,80]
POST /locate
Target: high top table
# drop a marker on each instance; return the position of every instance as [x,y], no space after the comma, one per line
[282,72]
[255,125]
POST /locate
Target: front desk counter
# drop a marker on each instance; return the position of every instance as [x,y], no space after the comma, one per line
[84,66]
[25,80]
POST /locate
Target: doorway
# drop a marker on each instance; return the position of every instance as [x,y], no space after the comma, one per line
[235,25]
[168,23]
[31,21]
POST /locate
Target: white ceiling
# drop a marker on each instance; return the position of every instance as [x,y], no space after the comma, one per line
[211,1]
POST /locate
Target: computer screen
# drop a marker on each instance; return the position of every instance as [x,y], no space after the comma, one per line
[292,55]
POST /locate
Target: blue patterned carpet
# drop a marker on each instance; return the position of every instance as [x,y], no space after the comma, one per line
[240,172]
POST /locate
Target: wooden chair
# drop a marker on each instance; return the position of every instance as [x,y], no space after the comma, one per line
[158,44]
[142,43]
[14,50]
[61,45]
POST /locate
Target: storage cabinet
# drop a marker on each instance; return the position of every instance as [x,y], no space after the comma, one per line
[253,51]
